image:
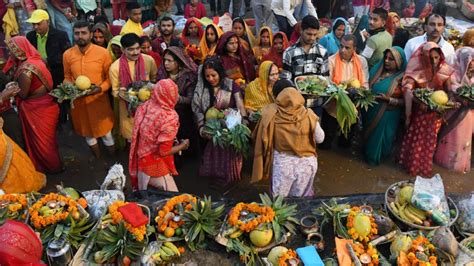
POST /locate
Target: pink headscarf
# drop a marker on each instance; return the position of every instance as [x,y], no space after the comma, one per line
[464,56]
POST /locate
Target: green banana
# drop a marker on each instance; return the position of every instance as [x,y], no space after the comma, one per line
[168,251]
[173,248]
[417,212]
[163,255]
[156,257]
[409,214]
[401,212]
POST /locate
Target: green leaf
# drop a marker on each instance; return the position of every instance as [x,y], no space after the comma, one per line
[58,231]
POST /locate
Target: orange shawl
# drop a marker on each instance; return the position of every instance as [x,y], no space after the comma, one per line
[338,72]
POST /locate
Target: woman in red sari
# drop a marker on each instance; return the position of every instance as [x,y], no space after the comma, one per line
[37,109]
[238,64]
[280,43]
[156,125]
[191,36]
[426,69]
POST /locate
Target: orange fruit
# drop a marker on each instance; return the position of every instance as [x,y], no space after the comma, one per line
[169,232]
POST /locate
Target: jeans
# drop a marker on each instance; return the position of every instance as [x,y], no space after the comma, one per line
[60,22]
[300,12]
[263,16]
[284,25]
[235,8]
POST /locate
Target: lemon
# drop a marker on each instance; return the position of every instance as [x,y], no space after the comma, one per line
[439,97]
[83,83]
[144,94]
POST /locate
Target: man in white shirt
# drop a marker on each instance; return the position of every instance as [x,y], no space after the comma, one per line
[284,10]
[434,27]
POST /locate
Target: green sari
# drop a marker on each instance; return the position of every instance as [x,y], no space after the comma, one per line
[381,120]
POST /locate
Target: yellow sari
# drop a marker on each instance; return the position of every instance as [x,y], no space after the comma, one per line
[17,172]
[257,94]
[207,51]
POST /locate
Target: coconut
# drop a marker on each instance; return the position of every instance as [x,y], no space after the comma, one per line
[401,242]
[83,83]
[405,194]
[261,238]
[439,97]
[362,224]
[144,94]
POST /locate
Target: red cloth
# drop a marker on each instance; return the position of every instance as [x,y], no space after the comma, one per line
[184,33]
[296,33]
[273,55]
[156,122]
[133,214]
[19,245]
[245,61]
[38,116]
[197,12]
[125,75]
[158,165]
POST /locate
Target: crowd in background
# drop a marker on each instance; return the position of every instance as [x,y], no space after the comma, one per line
[248,68]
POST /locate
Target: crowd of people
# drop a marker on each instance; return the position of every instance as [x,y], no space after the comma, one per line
[248,69]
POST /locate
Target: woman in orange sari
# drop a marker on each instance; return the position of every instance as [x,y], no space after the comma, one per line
[427,68]
[246,37]
[209,41]
[263,44]
[37,109]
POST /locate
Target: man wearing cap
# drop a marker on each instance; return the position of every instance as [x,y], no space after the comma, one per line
[51,44]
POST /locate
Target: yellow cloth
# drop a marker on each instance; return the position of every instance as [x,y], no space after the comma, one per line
[257,94]
[258,50]
[126,121]
[10,25]
[286,126]
[205,50]
[132,27]
[21,175]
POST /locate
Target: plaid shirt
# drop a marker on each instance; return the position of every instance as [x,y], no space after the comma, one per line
[296,62]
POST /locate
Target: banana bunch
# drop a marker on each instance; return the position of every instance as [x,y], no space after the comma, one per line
[166,253]
[403,207]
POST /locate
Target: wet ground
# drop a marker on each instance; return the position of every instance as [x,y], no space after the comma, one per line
[342,171]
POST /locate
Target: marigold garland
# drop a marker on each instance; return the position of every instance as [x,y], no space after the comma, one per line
[16,201]
[422,244]
[266,216]
[170,206]
[360,249]
[351,230]
[82,202]
[137,232]
[40,221]
[285,257]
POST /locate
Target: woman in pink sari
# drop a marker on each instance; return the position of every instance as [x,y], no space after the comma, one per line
[426,69]
[455,137]
[37,109]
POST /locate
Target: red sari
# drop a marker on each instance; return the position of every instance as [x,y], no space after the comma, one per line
[237,67]
[38,115]
[155,129]
[420,140]
[273,55]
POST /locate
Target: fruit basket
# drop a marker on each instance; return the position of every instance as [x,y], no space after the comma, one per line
[137,93]
[251,228]
[414,214]
[186,217]
[313,86]
[435,100]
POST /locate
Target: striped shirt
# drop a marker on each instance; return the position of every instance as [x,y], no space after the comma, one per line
[296,62]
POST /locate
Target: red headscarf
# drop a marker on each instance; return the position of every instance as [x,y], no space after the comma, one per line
[419,67]
[295,36]
[155,122]
[228,62]
[184,33]
[389,24]
[273,55]
[25,57]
